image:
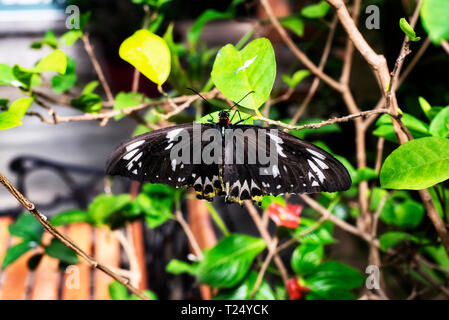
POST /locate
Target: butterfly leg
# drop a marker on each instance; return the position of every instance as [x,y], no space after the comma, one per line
[243,120]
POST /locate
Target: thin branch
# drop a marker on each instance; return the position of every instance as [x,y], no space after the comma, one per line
[296,51]
[266,236]
[445,46]
[90,51]
[65,240]
[263,269]
[185,226]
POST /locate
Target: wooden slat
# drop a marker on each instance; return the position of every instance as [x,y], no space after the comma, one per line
[47,276]
[107,251]
[78,289]
[139,247]
[15,277]
[4,235]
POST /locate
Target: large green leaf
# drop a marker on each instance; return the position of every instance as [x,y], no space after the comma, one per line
[236,73]
[390,239]
[434,15]
[385,129]
[439,125]
[27,228]
[194,33]
[149,54]
[417,164]
[9,120]
[20,106]
[227,263]
[306,258]
[244,289]
[68,217]
[55,61]
[402,211]
[105,205]
[16,251]
[125,100]
[60,251]
[7,77]
[333,280]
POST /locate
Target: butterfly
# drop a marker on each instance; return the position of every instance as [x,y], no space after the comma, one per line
[180,156]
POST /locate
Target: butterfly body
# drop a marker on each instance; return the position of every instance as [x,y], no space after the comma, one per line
[241,162]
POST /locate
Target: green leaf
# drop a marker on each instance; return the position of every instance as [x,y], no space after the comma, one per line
[364,174]
[267,200]
[149,54]
[55,61]
[434,15]
[69,38]
[236,73]
[150,294]
[7,77]
[194,33]
[26,77]
[333,280]
[417,128]
[89,102]
[27,228]
[295,24]
[417,164]
[322,235]
[69,217]
[157,210]
[390,239]
[402,211]
[428,110]
[408,30]
[306,258]
[60,251]
[105,205]
[117,291]
[296,78]
[438,253]
[177,267]
[49,39]
[9,120]
[227,263]
[244,289]
[316,10]
[90,87]
[438,126]
[63,82]
[376,197]
[125,100]
[20,106]
[16,251]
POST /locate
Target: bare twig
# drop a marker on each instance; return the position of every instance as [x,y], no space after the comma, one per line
[65,240]
[90,51]
[263,269]
[185,226]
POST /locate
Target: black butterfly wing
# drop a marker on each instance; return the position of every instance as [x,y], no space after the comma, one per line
[301,167]
[148,157]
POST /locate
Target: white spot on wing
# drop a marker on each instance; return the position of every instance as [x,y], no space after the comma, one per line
[173,164]
[169,146]
[316,154]
[171,135]
[317,171]
[130,154]
[278,142]
[320,163]
[134,145]
[276,171]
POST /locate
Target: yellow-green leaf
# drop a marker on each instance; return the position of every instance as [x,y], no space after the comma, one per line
[149,54]
[55,61]
[20,106]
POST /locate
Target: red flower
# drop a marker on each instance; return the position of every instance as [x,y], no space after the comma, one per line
[285,216]
[296,290]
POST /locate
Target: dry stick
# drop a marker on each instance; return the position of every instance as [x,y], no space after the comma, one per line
[324,122]
[379,65]
[445,46]
[413,62]
[185,226]
[296,51]
[266,236]
[65,240]
[316,80]
[271,252]
[90,51]
[130,252]
[432,281]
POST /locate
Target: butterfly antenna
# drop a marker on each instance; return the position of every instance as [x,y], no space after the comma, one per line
[236,103]
[199,94]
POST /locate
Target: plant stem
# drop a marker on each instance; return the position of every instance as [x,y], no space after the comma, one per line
[217,219]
